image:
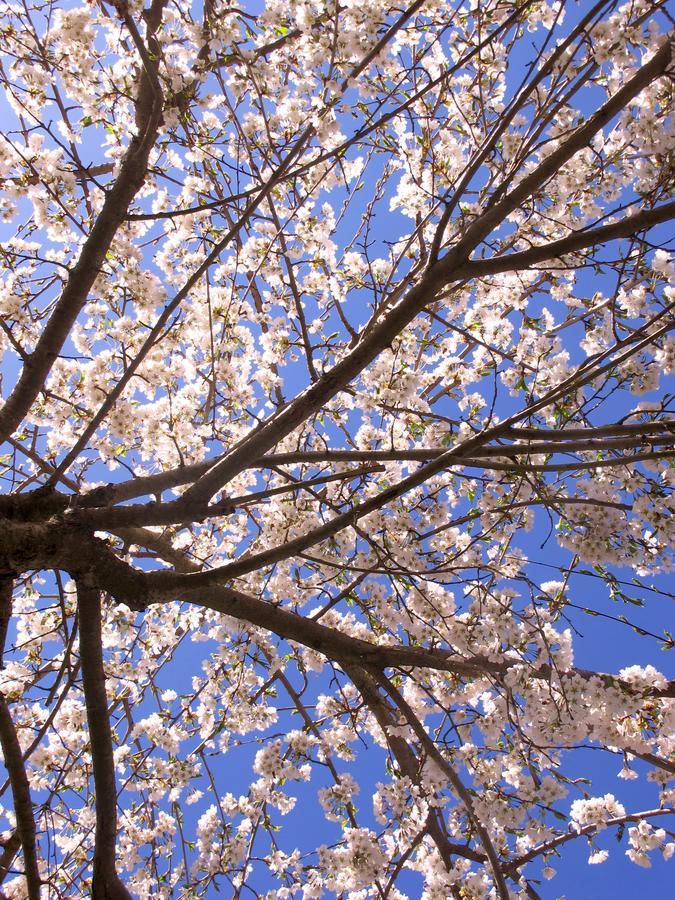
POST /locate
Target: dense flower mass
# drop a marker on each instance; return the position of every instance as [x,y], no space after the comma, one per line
[337,434]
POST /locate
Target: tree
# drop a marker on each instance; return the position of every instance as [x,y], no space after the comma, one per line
[327,328]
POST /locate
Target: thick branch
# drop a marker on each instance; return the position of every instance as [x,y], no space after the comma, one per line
[81,278]
[578,240]
[162,481]
[13,759]
[9,851]
[6,587]
[338,646]
[73,550]
[23,805]
[106,883]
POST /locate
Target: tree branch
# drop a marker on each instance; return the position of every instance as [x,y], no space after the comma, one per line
[573,243]
[92,256]
[9,851]
[434,753]
[106,883]
[156,484]
[408,763]
[13,758]
[547,846]
[338,646]
[580,138]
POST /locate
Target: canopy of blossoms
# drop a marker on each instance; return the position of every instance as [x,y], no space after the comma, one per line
[336,340]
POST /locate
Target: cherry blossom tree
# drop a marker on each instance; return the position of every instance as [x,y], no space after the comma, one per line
[327,326]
